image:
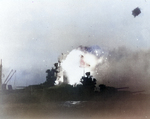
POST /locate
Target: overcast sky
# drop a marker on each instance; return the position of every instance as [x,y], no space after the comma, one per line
[33,33]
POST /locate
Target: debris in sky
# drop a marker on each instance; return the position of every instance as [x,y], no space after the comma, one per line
[136,12]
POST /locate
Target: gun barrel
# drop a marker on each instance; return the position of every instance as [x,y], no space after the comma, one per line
[123,88]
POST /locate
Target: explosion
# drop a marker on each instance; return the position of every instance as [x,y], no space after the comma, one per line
[121,68]
[82,60]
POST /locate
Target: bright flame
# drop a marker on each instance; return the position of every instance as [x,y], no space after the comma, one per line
[78,62]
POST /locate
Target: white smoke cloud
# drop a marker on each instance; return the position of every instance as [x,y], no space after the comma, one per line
[81,60]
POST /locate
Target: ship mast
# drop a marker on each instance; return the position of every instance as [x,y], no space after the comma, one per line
[0,73]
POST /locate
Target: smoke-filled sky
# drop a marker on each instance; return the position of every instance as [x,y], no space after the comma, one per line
[33,33]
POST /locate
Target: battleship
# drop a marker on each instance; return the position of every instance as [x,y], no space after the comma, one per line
[84,100]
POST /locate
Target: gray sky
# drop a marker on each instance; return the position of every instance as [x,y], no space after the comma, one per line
[33,33]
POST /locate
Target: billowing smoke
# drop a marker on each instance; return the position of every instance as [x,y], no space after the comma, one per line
[82,60]
[127,68]
[120,67]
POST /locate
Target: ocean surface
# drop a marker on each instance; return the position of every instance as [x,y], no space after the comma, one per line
[104,109]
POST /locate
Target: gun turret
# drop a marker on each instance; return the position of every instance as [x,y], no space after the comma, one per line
[108,89]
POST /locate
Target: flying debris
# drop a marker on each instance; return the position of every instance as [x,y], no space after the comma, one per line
[95,50]
[136,12]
